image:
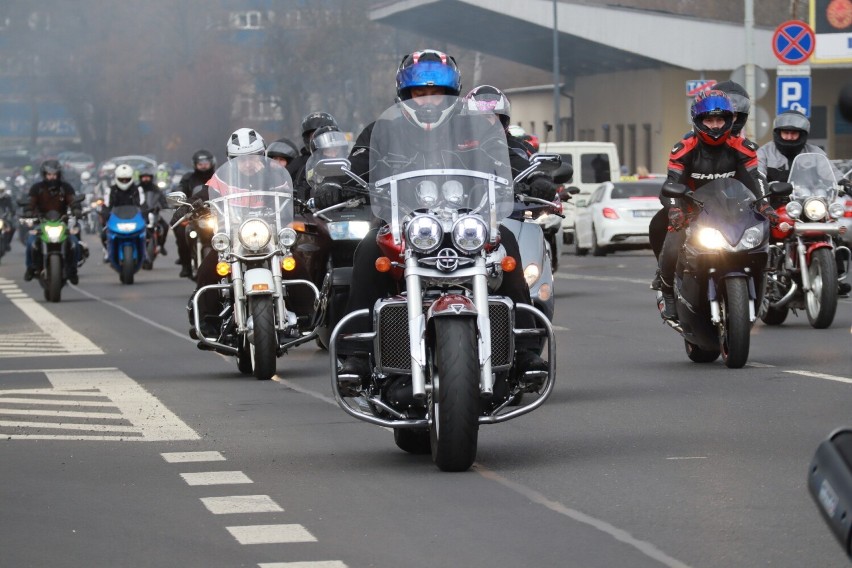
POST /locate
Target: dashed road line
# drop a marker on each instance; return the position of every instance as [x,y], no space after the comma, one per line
[320,564]
[216,478]
[271,534]
[236,504]
[186,457]
[821,376]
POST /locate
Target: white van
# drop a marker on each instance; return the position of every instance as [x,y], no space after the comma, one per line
[593,163]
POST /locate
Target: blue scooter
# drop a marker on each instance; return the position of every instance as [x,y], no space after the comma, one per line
[125,241]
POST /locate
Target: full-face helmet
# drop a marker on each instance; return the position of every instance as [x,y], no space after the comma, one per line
[794,121]
[314,120]
[712,104]
[428,68]
[486,99]
[203,161]
[123,177]
[742,103]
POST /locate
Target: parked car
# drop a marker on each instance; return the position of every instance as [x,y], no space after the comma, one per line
[616,217]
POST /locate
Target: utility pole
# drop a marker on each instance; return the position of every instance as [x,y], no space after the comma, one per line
[555,75]
[751,83]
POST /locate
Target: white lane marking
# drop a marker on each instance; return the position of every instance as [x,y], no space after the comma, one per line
[271,534]
[688,458]
[77,388]
[216,478]
[319,564]
[618,534]
[601,278]
[184,457]
[821,376]
[760,365]
[241,504]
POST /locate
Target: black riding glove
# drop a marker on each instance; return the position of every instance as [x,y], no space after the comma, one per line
[327,194]
[542,188]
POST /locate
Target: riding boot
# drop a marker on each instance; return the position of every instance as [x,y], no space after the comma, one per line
[668,310]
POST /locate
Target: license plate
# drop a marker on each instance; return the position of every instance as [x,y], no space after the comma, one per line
[644,212]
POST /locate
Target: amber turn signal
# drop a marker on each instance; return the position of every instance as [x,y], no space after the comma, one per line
[383,264]
[223,268]
[508,264]
[288,263]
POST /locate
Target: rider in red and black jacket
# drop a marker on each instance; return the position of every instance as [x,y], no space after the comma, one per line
[712,153]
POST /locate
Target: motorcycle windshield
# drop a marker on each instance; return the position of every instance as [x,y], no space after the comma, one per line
[328,145]
[440,159]
[811,175]
[251,187]
[727,207]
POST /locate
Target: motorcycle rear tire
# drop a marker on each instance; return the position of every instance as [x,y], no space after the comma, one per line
[734,338]
[698,355]
[128,265]
[454,400]
[265,346]
[412,440]
[821,299]
[53,280]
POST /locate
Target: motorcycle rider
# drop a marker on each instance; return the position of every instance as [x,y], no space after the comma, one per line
[53,194]
[282,151]
[122,192]
[423,80]
[7,212]
[154,200]
[712,153]
[242,142]
[297,168]
[204,164]
[789,139]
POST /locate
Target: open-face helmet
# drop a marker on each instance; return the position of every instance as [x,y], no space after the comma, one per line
[486,99]
[712,103]
[203,160]
[282,148]
[245,142]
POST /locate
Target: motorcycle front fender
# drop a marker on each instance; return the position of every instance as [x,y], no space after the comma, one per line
[451,305]
[258,281]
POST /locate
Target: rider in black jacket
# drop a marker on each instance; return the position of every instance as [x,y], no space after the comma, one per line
[712,153]
[204,164]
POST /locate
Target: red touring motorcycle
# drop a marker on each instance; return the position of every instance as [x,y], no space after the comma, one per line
[442,350]
[802,269]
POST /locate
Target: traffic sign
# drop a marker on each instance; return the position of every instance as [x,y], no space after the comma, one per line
[793,70]
[695,86]
[794,93]
[793,42]
[761,80]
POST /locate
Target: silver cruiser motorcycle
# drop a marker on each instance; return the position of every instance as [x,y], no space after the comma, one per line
[443,350]
[251,198]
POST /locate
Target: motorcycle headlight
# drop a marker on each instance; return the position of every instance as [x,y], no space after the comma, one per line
[287,237]
[531,273]
[752,237]
[254,234]
[794,209]
[453,191]
[220,242]
[470,234]
[2,223]
[208,222]
[836,210]
[815,209]
[54,232]
[348,230]
[711,239]
[126,227]
[424,233]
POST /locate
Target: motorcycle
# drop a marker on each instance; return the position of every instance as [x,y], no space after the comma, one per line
[719,271]
[53,248]
[7,230]
[802,267]
[200,227]
[125,241]
[443,350]
[254,241]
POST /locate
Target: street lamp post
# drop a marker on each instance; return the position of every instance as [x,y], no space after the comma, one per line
[555,75]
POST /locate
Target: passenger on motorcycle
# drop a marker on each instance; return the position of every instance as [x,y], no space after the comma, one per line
[204,164]
[712,153]
[52,194]
[422,81]
[789,139]
[154,200]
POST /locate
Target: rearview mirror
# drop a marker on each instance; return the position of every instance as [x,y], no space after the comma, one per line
[176,198]
[830,484]
[546,162]
[673,190]
[331,167]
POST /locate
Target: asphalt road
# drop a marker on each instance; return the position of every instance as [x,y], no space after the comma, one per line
[121,444]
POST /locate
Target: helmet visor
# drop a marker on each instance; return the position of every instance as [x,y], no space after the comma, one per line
[713,104]
[428,74]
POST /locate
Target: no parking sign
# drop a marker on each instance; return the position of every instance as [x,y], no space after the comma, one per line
[793,42]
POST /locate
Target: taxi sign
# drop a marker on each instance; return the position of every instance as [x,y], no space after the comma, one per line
[793,42]
[695,86]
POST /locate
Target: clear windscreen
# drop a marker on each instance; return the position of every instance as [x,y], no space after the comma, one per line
[727,207]
[812,176]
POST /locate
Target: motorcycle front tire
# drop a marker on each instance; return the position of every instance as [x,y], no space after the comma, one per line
[454,400]
[412,440]
[821,299]
[735,336]
[244,357]
[53,280]
[265,346]
[128,265]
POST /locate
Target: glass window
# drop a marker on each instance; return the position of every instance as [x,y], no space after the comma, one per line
[595,168]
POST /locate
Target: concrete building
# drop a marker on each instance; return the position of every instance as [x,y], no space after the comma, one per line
[624,71]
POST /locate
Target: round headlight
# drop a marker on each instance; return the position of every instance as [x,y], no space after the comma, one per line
[815,209]
[836,210]
[424,233]
[287,237]
[752,237]
[794,209]
[470,234]
[531,273]
[254,234]
[220,242]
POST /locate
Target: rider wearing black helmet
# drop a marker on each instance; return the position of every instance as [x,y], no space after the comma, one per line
[310,123]
[282,151]
[52,194]
[204,164]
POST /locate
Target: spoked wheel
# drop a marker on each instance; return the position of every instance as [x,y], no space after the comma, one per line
[454,400]
[53,284]
[244,356]
[412,440]
[821,299]
[128,265]
[698,355]
[735,328]
[264,348]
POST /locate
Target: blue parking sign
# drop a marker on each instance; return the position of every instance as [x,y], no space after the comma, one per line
[793,93]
